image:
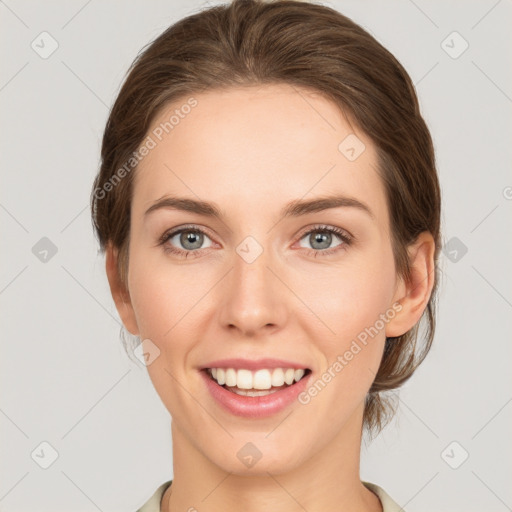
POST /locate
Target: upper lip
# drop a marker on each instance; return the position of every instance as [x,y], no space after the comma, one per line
[253,364]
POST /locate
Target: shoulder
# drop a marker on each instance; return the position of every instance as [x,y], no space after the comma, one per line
[153,504]
[388,504]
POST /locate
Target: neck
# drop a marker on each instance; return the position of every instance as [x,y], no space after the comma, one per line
[328,480]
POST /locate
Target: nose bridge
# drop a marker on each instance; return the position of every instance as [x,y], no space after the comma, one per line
[253,299]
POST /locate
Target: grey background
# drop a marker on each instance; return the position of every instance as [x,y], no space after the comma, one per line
[65,378]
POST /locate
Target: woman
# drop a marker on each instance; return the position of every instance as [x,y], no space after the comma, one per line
[269,208]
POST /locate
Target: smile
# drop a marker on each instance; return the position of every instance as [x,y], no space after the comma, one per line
[258,393]
[256,383]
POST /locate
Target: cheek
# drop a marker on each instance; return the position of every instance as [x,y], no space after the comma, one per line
[163,295]
[354,305]
[350,355]
[165,301]
[156,292]
[350,299]
[152,306]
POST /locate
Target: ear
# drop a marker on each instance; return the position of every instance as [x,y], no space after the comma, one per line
[414,295]
[119,291]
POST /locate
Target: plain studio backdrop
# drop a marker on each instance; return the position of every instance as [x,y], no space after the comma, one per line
[82,426]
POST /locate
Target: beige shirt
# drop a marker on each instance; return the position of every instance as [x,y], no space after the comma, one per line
[388,505]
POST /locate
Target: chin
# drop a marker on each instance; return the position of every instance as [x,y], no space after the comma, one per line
[254,455]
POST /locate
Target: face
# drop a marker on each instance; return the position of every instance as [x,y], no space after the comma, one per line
[266,283]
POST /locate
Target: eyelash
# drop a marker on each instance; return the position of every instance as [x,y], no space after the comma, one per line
[343,235]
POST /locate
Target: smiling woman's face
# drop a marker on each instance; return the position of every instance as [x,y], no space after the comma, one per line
[252,284]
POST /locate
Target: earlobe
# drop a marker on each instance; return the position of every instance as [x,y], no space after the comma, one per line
[119,292]
[415,294]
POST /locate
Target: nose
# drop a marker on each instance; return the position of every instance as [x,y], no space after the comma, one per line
[253,299]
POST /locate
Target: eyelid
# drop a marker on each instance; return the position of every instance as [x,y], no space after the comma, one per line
[185,227]
[342,233]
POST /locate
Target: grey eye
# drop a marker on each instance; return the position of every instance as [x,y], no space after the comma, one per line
[190,239]
[320,239]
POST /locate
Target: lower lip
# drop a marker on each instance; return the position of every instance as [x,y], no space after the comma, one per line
[255,406]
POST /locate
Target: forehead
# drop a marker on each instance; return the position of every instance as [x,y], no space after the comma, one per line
[257,145]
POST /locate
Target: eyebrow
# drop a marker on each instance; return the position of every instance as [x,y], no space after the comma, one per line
[295,208]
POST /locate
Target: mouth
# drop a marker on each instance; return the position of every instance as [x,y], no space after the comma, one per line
[258,383]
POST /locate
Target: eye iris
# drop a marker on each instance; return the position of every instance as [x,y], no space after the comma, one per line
[321,237]
[189,236]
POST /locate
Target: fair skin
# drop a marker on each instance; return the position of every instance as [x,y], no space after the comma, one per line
[251,151]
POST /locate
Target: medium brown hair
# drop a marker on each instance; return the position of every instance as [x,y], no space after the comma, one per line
[305,45]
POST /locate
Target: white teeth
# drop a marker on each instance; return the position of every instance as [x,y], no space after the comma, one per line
[299,374]
[243,379]
[231,377]
[289,376]
[263,379]
[278,377]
